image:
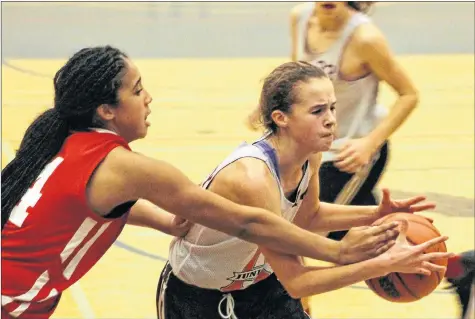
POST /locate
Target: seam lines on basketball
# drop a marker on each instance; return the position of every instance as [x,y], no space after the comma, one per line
[405,286]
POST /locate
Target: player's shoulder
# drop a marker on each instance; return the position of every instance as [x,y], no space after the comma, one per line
[87,145]
[368,34]
[247,176]
[87,153]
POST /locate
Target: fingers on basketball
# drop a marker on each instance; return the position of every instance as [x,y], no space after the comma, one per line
[388,236]
[434,241]
[423,271]
[383,247]
[382,228]
[433,267]
[386,195]
[425,258]
[436,256]
[422,207]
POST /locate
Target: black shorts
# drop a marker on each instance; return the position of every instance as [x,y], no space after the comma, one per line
[266,299]
[334,183]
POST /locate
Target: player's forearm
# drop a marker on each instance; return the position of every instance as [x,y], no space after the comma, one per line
[146,214]
[275,233]
[334,217]
[398,115]
[315,280]
[255,225]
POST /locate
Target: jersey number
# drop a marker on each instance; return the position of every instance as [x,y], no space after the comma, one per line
[31,197]
[18,216]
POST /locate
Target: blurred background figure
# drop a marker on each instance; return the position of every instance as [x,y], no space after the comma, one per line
[461,276]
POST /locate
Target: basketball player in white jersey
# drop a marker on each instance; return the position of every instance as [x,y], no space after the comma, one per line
[340,38]
[213,275]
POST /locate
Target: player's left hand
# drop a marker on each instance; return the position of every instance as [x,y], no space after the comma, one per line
[354,154]
[410,205]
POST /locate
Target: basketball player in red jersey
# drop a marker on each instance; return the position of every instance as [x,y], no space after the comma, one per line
[74,183]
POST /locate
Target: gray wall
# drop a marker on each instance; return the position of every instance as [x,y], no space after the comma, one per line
[213,29]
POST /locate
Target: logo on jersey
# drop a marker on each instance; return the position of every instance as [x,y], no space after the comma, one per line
[247,275]
[251,274]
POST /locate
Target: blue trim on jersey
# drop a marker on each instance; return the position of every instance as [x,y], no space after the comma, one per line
[270,152]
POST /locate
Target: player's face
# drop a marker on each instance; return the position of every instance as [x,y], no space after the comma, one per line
[312,120]
[331,8]
[130,117]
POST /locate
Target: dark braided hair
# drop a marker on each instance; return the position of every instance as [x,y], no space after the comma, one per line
[91,77]
[278,91]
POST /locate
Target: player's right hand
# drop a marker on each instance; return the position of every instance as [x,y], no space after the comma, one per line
[404,257]
[365,242]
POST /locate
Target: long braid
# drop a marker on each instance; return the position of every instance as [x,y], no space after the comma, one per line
[91,77]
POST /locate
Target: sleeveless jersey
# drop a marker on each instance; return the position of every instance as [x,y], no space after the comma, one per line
[211,259]
[52,237]
[357,110]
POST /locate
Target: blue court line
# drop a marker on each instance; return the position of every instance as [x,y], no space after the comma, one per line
[26,71]
[138,251]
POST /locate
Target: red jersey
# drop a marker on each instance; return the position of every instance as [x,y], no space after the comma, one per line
[52,237]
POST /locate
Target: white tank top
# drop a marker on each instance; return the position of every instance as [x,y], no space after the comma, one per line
[211,259]
[357,110]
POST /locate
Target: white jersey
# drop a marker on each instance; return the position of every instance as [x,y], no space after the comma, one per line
[211,259]
[357,110]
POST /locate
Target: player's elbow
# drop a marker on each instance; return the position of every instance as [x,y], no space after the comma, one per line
[294,289]
[294,281]
[414,98]
[411,98]
[302,290]
[295,293]
[299,285]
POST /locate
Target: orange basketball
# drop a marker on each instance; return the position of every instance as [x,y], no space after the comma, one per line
[398,287]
